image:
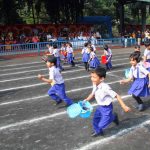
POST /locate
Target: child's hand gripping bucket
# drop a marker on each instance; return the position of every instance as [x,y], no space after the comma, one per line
[86,109]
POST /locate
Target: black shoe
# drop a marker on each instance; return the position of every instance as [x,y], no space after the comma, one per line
[116,120]
[141,107]
[94,134]
[58,102]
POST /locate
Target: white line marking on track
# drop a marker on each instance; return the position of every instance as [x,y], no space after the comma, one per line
[37,62]
[41,83]
[43,96]
[24,67]
[38,119]
[44,69]
[26,71]
[100,142]
[69,71]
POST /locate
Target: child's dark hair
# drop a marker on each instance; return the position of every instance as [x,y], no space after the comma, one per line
[137,52]
[51,59]
[85,44]
[54,46]
[101,72]
[91,49]
[147,43]
[136,57]
[106,47]
[137,46]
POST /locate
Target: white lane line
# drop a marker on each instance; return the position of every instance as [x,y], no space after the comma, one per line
[37,62]
[41,83]
[27,67]
[68,71]
[120,59]
[27,71]
[44,96]
[102,142]
[36,120]
[20,64]
[21,72]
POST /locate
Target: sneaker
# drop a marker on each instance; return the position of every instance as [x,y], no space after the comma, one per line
[141,107]
[58,102]
[116,120]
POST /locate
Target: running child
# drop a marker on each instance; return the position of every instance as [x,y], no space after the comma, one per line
[85,56]
[104,96]
[70,55]
[93,61]
[50,50]
[56,53]
[64,52]
[140,77]
[92,45]
[137,49]
[108,54]
[147,52]
[57,91]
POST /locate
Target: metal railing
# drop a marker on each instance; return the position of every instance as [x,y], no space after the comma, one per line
[41,46]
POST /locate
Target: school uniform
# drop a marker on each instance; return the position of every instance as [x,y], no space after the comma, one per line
[85,54]
[108,54]
[85,57]
[70,57]
[103,115]
[64,53]
[50,49]
[94,62]
[94,48]
[147,55]
[139,86]
[56,53]
[57,90]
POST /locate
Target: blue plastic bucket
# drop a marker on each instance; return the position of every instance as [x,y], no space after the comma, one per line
[127,73]
[74,110]
[86,109]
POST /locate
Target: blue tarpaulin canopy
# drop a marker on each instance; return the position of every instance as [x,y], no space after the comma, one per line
[97,20]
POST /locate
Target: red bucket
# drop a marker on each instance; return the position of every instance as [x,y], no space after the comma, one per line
[64,53]
[103,59]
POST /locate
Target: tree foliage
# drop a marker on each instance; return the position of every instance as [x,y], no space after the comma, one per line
[62,11]
[58,11]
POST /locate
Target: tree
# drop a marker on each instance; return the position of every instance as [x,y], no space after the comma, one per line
[8,12]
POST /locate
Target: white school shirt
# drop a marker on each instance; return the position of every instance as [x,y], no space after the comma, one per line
[85,50]
[92,55]
[55,75]
[69,50]
[142,71]
[147,53]
[56,52]
[50,49]
[94,48]
[63,48]
[104,95]
[108,53]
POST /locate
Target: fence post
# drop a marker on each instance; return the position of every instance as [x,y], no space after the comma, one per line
[38,48]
